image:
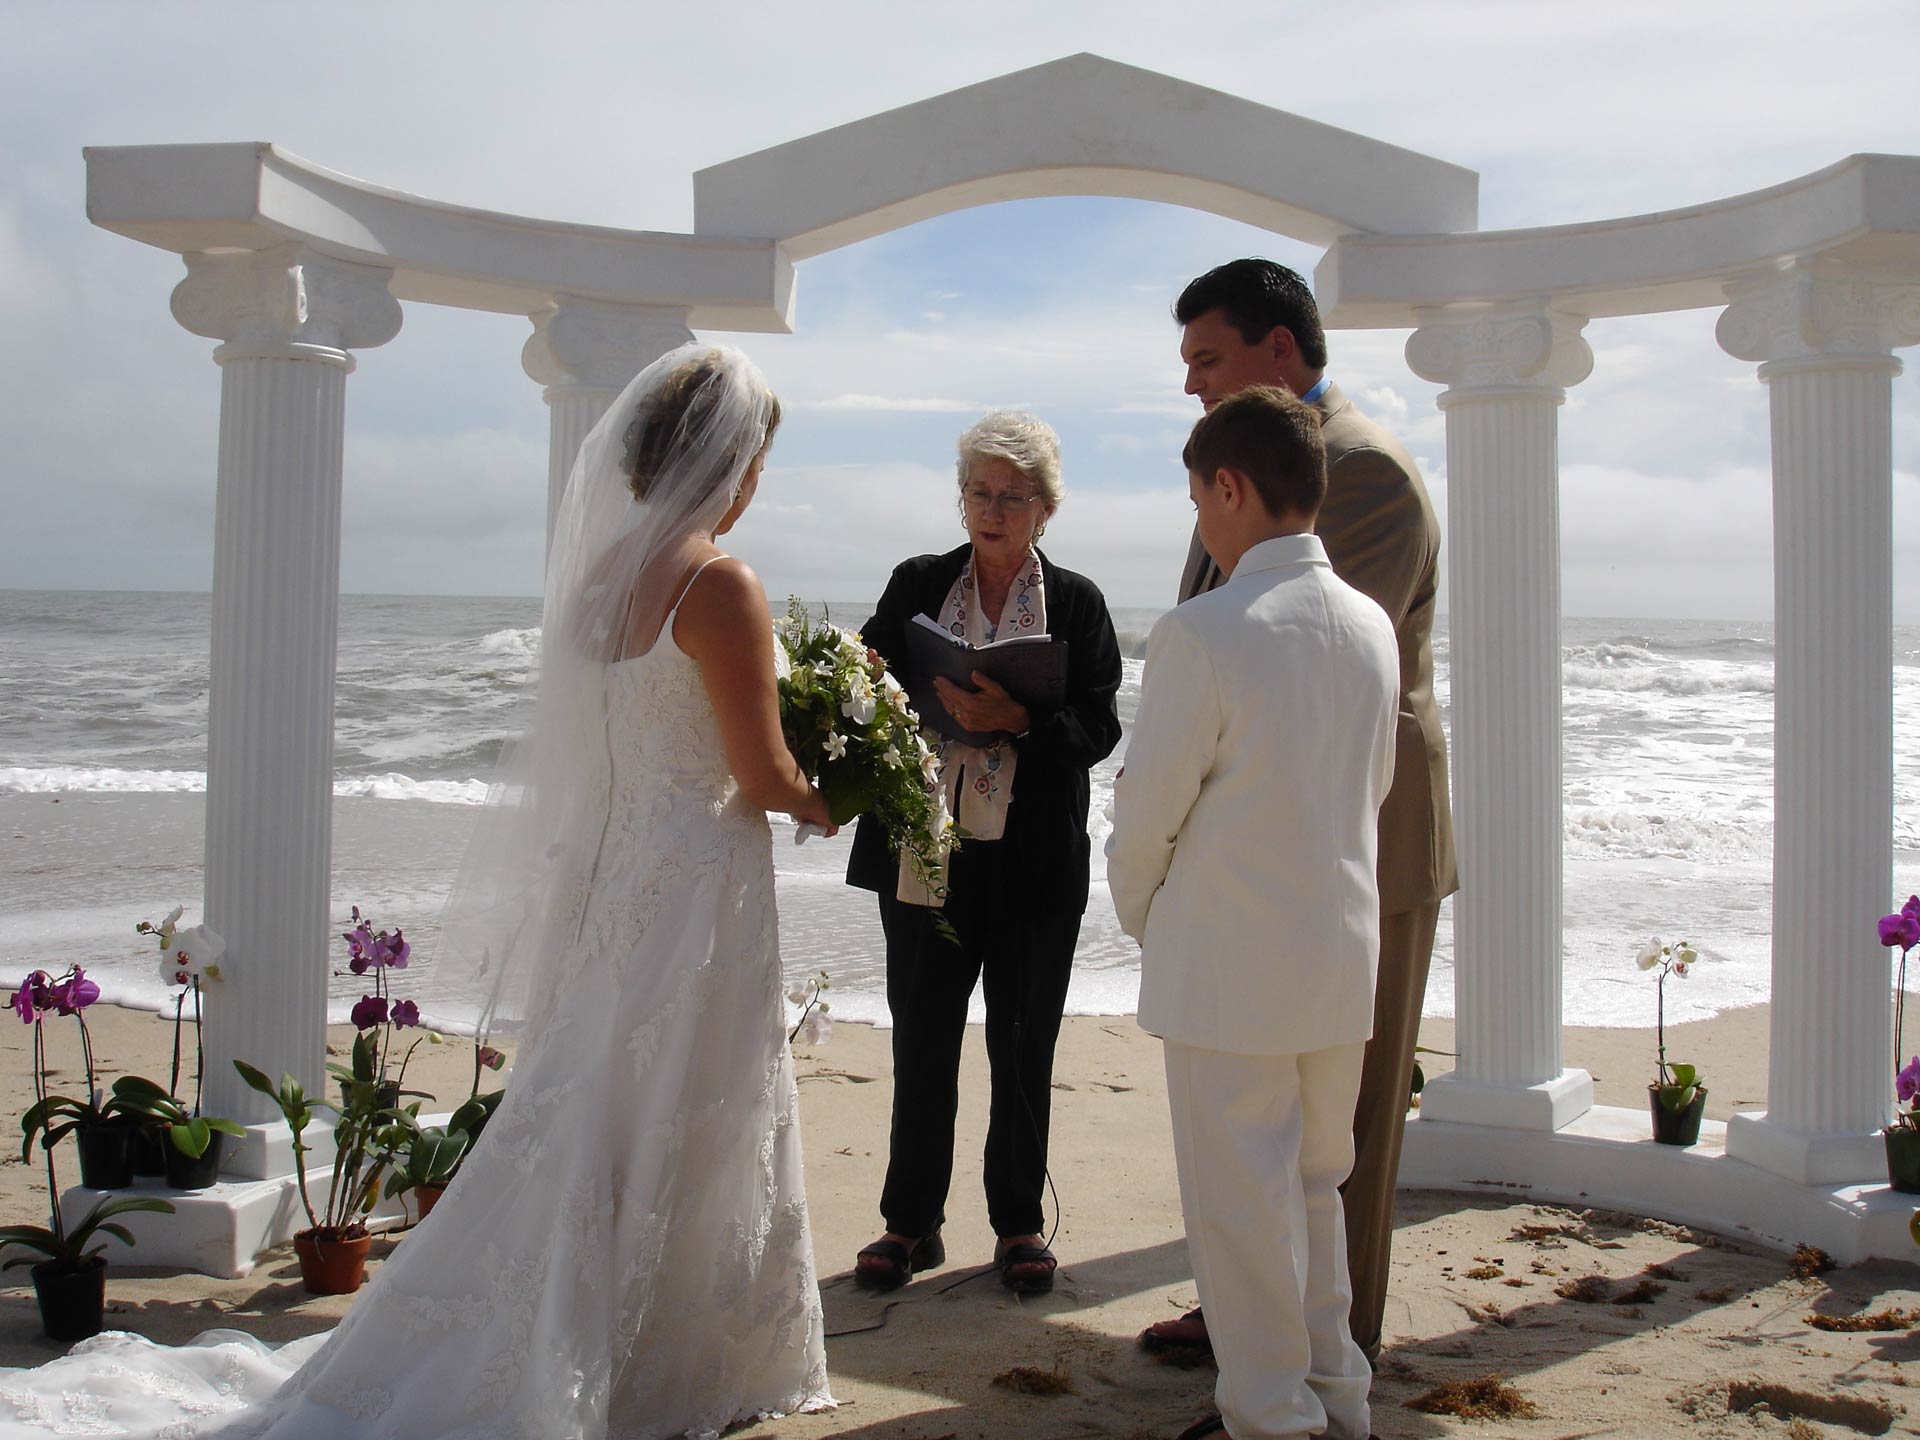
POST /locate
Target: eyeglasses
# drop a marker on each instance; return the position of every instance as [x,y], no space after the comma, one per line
[979,501]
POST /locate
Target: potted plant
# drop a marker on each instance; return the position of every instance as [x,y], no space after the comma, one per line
[191,1144]
[427,1157]
[1901,930]
[368,1127]
[99,1129]
[1676,1096]
[70,1283]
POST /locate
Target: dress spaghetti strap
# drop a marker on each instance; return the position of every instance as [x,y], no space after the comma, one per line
[667,625]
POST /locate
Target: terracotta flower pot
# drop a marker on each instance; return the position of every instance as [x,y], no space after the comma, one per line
[330,1265]
[73,1299]
[1677,1127]
[425,1197]
[1903,1159]
[188,1172]
[106,1155]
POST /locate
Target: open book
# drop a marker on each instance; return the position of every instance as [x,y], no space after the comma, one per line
[1033,668]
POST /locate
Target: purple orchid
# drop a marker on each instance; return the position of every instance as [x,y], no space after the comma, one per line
[34,997]
[1902,928]
[1906,1084]
[405,1013]
[491,1058]
[394,949]
[74,993]
[371,1011]
[360,946]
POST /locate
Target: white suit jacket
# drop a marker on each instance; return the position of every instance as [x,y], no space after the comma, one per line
[1246,819]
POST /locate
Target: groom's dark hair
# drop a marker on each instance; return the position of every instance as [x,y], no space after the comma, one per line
[1270,437]
[1258,295]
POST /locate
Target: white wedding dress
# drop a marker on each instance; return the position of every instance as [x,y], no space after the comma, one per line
[626,1253]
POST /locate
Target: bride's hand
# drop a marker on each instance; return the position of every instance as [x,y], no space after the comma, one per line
[814,812]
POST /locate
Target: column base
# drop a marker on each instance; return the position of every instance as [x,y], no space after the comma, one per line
[222,1230]
[1803,1156]
[266,1151]
[1552,1105]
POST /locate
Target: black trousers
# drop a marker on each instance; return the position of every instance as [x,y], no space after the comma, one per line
[1024,955]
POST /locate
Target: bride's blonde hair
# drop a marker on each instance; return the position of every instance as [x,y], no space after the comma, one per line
[679,409]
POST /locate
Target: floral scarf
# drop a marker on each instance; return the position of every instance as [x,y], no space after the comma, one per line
[976,781]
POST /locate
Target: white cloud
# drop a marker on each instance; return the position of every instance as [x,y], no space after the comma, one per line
[902,404]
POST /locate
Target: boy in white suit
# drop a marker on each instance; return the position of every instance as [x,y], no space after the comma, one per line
[1242,858]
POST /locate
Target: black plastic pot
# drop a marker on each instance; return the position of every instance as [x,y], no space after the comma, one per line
[1677,1127]
[1903,1160]
[73,1299]
[106,1155]
[186,1172]
[148,1148]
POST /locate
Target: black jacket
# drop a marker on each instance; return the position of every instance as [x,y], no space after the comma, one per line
[1044,853]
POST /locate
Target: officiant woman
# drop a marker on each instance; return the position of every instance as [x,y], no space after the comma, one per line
[1017,885]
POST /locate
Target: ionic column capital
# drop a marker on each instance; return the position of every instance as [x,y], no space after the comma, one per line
[288,302]
[589,344]
[1820,309]
[1530,347]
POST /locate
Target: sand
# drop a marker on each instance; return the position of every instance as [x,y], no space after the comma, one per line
[1717,1344]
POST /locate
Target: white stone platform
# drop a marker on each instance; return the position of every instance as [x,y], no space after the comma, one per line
[1607,1159]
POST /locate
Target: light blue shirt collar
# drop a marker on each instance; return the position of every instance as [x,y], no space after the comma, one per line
[1319,389]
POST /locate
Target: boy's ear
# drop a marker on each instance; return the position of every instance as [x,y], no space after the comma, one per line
[1232,486]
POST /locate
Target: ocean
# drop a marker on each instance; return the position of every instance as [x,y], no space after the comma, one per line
[1668,777]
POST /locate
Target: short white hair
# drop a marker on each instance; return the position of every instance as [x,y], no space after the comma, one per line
[1024,441]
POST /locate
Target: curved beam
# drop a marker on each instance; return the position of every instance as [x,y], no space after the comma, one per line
[1081,126]
[1865,208]
[250,196]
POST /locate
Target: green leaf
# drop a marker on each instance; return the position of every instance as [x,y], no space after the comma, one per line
[119,1232]
[138,1087]
[227,1127]
[1677,1097]
[1686,1075]
[253,1077]
[191,1137]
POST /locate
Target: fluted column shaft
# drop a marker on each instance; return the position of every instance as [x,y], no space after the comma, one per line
[1505,369]
[1825,334]
[287,317]
[584,352]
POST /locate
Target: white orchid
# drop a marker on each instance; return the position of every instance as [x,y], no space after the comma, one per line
[929,766]
[194,954]
[1650,954]
[835,745]
[817,1028]
[823,669]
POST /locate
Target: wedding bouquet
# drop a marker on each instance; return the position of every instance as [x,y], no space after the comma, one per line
[847,722]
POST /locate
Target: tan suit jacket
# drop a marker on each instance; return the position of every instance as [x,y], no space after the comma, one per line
[1383,538]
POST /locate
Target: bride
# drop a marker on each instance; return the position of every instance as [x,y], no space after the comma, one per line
[626,1252]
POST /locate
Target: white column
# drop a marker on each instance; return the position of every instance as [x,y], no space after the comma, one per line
[288,317]
[1825,332]
[1505,369]
[585,352]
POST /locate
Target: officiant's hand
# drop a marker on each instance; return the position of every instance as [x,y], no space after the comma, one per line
[814,812]
[989,707]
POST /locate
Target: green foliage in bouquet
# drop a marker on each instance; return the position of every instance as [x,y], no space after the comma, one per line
[847,722]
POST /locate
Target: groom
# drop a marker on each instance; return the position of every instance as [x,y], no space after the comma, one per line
[1242,858]
[1252,322]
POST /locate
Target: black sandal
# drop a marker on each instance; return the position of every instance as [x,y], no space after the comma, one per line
[894,1264]
[1037,1260]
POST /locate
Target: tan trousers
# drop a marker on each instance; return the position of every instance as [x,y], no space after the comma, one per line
[1380,1118]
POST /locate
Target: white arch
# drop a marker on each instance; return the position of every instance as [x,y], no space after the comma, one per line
[1081,126]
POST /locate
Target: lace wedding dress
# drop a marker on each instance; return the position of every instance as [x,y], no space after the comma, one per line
[626,1253]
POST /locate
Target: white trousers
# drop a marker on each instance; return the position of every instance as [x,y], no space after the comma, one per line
[1262,1143]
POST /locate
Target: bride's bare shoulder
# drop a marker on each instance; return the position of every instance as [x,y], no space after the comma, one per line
[725,603]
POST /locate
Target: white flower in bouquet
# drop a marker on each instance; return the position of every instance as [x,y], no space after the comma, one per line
[860,704]
[835,745]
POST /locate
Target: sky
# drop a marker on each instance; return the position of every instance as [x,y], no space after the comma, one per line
[109,409]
